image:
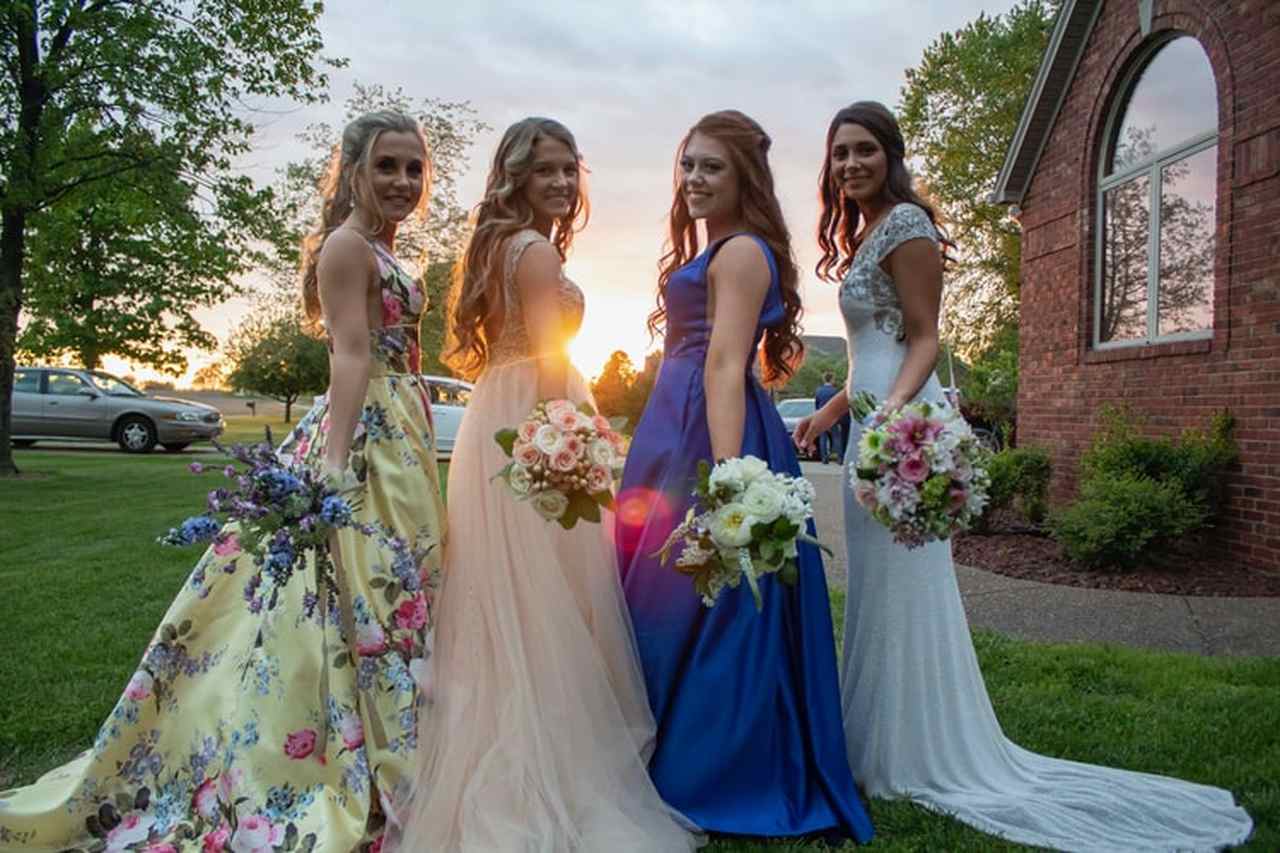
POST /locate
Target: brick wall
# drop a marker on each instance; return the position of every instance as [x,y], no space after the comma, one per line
[1064,384]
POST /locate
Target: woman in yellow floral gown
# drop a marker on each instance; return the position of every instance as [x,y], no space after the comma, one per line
[268,719]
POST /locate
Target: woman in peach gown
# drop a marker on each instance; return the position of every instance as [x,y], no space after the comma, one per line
[539,731]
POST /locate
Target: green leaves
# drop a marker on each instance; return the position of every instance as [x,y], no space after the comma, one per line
[275,356]
[506,439]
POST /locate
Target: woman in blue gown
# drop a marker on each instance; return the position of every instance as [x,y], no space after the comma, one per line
[750,739]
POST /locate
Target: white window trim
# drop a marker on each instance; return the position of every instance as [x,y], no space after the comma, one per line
[1149,168]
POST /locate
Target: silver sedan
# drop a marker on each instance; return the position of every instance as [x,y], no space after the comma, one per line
[58,402]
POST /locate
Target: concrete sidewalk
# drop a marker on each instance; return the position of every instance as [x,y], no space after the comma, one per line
[1054,613]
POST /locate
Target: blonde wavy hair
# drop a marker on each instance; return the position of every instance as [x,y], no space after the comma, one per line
[477,277]
[347,184]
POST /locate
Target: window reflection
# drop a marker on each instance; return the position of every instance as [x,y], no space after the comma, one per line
[1188,202]
[1174,101]
[1127,224]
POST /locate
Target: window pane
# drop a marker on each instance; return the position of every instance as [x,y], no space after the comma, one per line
[26,380]
[1188,202]
[65,383]
[1174,100]
[1126,235]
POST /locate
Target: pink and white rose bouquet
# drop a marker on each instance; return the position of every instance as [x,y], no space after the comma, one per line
[564,461]
[745,523]
[921,472]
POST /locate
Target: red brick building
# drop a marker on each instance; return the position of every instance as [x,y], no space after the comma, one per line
[1146,175]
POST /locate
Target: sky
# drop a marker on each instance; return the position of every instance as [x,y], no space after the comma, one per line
[628,79]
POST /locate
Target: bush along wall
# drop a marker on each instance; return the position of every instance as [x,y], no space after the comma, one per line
[1140,496]
[1019,481]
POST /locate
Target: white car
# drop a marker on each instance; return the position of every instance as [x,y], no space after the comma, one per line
[449,398]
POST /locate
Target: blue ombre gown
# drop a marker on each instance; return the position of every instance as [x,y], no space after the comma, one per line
[750,740]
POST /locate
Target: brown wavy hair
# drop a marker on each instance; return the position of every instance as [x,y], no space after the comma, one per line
[477,277]
[346,185]
[748,147]
[838,226]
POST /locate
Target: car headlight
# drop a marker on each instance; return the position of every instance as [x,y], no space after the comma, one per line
[187,417]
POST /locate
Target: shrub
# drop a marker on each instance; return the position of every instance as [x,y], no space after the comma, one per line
[1019,479]
[1119,520]
[989,390]
[1141,495]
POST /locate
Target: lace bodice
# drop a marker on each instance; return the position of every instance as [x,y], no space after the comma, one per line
[513,344]
[870,304]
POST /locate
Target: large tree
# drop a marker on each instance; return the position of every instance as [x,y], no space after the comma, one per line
[100,92]
[959,110]
[432,242]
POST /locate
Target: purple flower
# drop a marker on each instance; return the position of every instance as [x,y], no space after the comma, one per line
[230,471]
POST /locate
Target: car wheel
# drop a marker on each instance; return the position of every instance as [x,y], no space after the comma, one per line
[23,442]
[177,447]
[136,435]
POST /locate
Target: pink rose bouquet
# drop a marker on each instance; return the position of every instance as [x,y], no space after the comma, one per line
[564,460]
[921,472]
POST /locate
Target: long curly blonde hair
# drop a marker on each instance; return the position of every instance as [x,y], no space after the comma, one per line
[477,278]
[347,185]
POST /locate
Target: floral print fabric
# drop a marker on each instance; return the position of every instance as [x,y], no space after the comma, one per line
[254,721]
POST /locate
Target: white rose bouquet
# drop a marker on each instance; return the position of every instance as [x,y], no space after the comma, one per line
[920,470]
[750,521]
[564,460]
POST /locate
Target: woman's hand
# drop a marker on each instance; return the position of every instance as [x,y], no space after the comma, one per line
[808,430]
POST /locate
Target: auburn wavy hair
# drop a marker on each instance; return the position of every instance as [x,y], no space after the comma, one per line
[748,146]
[839,224]
[346,185]
[476,291]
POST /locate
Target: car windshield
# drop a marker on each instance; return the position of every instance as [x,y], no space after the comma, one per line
[114,387]
[795,408]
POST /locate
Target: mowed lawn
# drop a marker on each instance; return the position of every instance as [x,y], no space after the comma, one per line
[83,585]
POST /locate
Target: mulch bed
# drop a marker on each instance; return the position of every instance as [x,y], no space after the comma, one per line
[1035,557]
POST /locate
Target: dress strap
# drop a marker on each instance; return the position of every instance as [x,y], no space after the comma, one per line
[516,245]
[904,223]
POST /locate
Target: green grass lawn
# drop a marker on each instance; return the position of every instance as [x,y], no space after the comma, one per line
[82,586]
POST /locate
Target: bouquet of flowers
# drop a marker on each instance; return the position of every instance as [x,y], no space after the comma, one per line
[920,470]
[283,510]
[750,521]
[564,459]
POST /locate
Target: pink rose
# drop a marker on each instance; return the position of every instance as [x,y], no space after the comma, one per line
[598,479]
[602,425]
[391,312]
[914,469]
[132,829]
[527,430]
[370,639]
[227,784]
[619,442]
[411,615]
[352,731]
[205,800]
[216,841]
[256,834]
[564,460]
[299,745]
[866,494]
[568,421]
[139,686]
[226,546]
[526,455]
[559,407]
[574,444]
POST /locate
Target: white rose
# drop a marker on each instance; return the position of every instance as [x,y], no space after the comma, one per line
[601,453]
[763,499]
[519,480]
[729,475]
[550,504]
[548,439]
[731,526]
[753,468]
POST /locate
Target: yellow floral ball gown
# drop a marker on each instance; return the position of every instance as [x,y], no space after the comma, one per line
[255,727]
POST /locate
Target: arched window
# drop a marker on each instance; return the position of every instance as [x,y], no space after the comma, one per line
[1157,196]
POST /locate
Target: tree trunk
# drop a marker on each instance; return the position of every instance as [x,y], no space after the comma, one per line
[12,226]
[288,409]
